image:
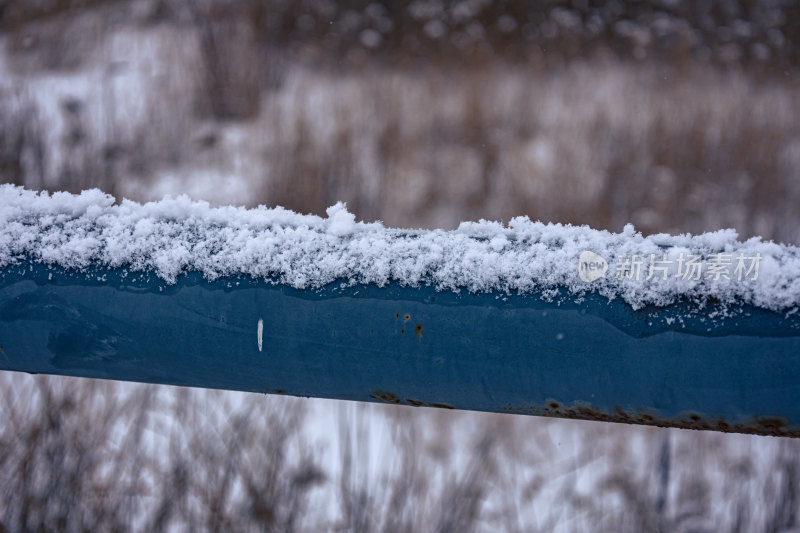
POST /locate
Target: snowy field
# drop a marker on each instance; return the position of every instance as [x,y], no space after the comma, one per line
[605,144]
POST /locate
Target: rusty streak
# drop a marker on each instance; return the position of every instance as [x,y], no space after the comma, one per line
[771,426]
[388,397]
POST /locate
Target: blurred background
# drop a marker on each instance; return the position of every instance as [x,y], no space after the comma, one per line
[678,116]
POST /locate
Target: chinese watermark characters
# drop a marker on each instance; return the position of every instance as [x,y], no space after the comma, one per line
[645,267]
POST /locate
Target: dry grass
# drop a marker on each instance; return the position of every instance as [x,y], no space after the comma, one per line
[81,454]
[602,143]
[598,144]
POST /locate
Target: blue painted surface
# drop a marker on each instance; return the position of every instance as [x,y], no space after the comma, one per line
[490,352]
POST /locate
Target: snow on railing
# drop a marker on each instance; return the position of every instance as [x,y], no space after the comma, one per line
[177,235]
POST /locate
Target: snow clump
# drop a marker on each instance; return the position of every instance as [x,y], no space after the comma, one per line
[177,235]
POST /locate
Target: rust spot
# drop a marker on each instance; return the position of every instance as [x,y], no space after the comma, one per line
[588,413]
[383,396]
[419,330]
[418,403]
[772,424]
[278,391]
[407,318]
[397,315]
[402,331]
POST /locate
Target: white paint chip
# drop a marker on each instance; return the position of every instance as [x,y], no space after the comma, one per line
[260,334]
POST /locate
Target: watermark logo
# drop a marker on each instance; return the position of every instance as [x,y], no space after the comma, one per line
[715,267]
[591,266]
[638,267]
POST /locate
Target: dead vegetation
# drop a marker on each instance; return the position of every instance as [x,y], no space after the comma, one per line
[79,454]
[208,100]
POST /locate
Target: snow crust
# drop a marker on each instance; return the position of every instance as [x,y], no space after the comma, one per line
[178,235]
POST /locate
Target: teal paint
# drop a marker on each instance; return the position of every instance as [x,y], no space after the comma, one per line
[597,359]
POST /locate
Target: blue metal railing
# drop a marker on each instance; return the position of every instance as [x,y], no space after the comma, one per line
[737,370]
